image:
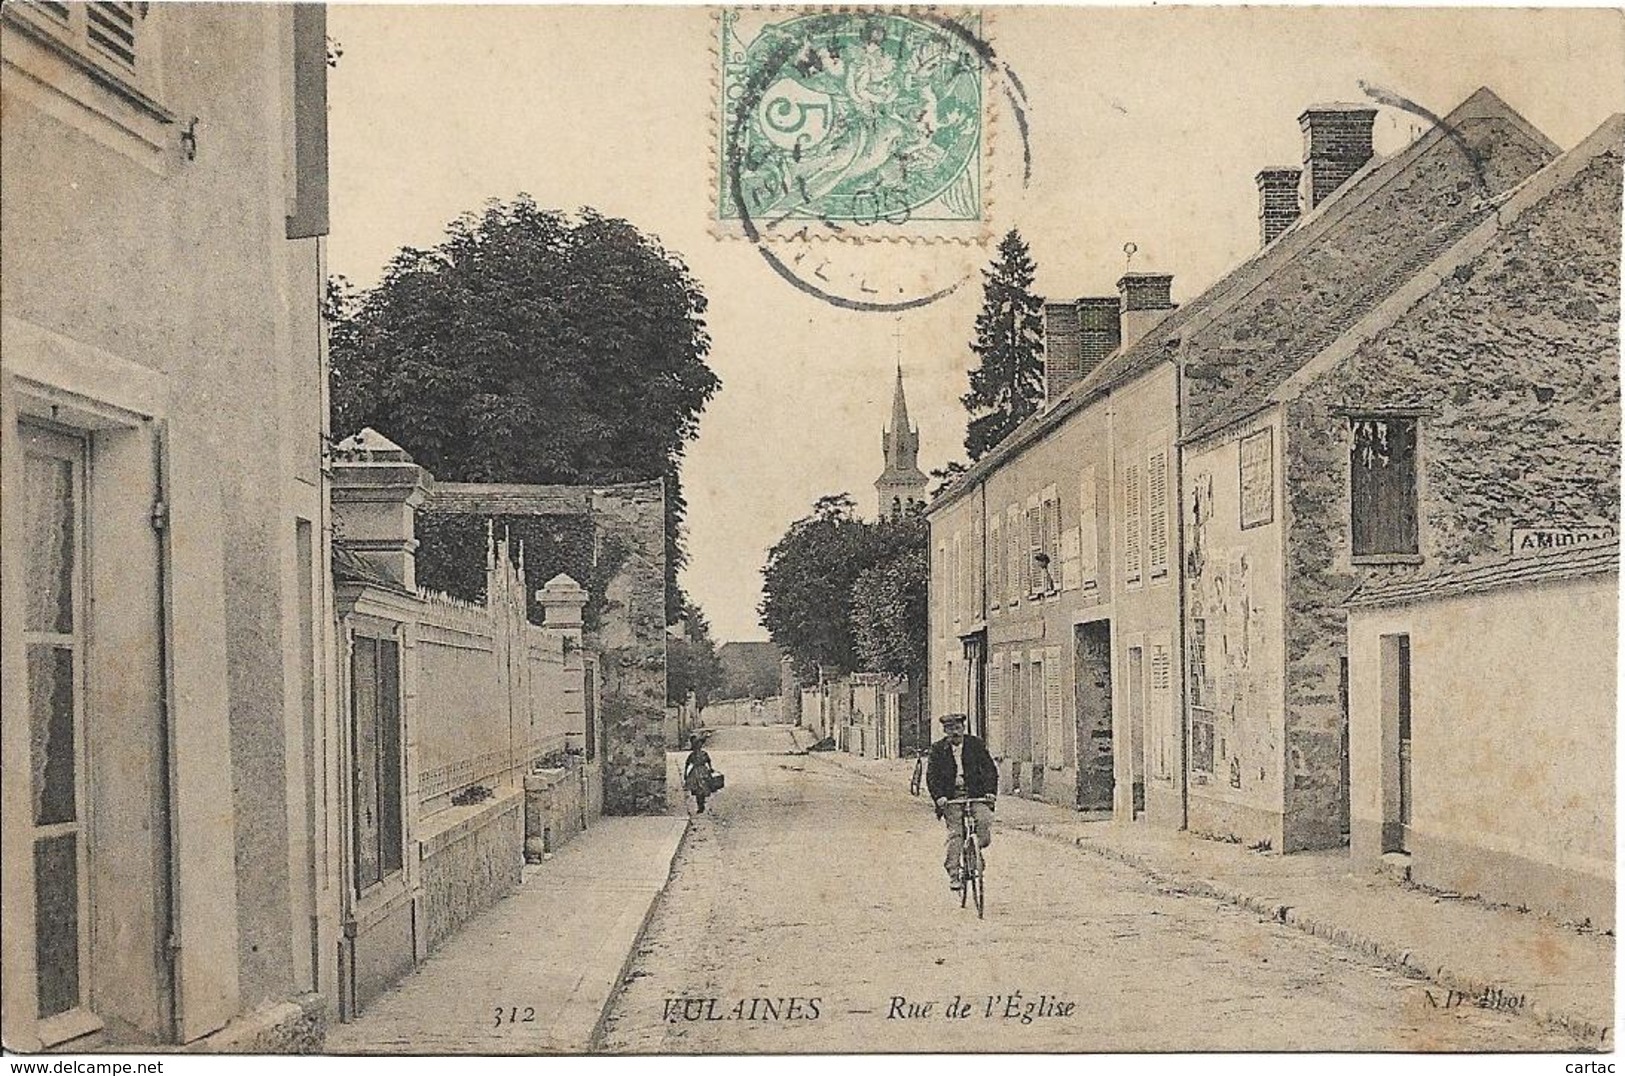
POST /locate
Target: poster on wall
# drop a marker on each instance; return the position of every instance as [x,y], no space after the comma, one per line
[1257,479]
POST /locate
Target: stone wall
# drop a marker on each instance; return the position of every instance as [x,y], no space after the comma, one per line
[1516,383]
[630,639]
[469,864]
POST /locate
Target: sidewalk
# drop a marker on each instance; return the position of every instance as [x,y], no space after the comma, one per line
[556,949]
[1489,956]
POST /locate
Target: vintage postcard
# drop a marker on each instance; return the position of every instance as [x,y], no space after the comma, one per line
[761,530]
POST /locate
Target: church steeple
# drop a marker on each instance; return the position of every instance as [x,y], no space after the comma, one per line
[901,485]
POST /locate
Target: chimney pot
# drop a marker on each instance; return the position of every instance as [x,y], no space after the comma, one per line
[1336,144]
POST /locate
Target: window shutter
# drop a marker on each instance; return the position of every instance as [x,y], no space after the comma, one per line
[1009,554]
[1052,539]
[1157,514]
[1054,750]
[1088,531]
[111,28]
[1133,552]
[995,705]
[1382,493]
[1163,734]
[995,582]
[1035,543]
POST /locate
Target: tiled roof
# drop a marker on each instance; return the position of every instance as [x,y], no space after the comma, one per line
[1242,337]
[507,499]
[1368,241]
[1573,562]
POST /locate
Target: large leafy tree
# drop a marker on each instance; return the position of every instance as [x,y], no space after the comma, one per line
[1009,384]
[889,605]
[811,578]
[532,346]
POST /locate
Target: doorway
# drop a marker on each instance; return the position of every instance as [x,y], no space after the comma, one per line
[1397,785]
[1134,682]
[1092,654]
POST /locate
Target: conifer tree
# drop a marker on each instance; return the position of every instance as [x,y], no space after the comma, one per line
[1009,384]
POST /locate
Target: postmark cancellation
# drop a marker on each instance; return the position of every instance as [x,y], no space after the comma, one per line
[851,124]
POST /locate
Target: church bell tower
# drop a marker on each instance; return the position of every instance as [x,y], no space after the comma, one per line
[901,485]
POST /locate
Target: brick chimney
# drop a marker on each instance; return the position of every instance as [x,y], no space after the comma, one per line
[1336,144]
[1143,301]
[1077,338]
[1277,202]
[1061,348]
[376,492]
[1100,330]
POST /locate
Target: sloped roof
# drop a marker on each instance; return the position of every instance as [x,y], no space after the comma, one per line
[1243,336]
[351,567]
[1573,562]
[1358,248]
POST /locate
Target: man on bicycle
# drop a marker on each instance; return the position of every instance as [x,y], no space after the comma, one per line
[961,768]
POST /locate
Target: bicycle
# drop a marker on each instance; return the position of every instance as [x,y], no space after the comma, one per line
[972,864]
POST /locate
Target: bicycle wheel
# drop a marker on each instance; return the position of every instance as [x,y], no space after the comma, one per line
[968,875]
[980,883]
[919,773]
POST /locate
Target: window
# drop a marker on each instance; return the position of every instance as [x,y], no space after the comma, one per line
[1035,546]
[110,35]
[375,697]
[102,55]
[1382,487]
[1049,580]
[54,642]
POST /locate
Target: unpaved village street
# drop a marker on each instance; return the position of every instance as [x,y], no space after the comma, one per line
[822,894]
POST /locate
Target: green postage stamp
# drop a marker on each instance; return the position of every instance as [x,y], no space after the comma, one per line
[851,124]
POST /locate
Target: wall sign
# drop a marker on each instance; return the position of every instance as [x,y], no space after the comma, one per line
[1257,479]
[1529,540]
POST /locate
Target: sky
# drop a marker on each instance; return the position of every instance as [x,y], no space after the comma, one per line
[1145,126]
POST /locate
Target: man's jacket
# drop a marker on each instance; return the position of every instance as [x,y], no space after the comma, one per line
[981,775]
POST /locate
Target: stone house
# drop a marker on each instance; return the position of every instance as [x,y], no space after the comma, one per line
[1488,769]
[1393,384]
[1055,585]
[1258,408]
[166,642]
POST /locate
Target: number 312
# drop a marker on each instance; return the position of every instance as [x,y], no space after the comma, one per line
[512,1015]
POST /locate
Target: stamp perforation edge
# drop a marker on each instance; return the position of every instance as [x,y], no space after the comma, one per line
[805,232]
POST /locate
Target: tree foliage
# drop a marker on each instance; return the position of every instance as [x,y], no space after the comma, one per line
[692,666]
[889,612]
[532,346]
[945,476]
[1009,384]
[809,583]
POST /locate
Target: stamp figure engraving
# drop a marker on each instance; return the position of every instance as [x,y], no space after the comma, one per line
[864,118]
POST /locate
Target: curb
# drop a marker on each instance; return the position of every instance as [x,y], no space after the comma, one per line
[595,1041]
[1483,994]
